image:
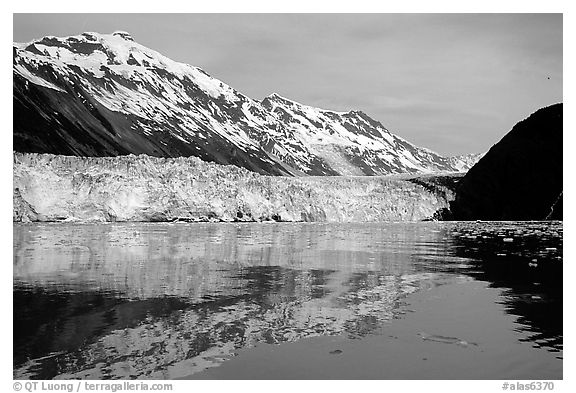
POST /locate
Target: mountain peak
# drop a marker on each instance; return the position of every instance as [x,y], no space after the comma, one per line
[277,97]
[123,34]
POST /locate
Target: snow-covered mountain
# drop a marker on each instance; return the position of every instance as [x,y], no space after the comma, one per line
[106,95]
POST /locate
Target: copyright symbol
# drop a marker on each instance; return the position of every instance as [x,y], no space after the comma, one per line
[17,386]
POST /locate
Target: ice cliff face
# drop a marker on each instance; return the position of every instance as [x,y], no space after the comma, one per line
[142,188]
[106,95]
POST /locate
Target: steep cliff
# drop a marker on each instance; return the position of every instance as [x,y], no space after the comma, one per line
[142,188]
[520,177]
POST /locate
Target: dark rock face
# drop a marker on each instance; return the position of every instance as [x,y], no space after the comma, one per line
[520,178]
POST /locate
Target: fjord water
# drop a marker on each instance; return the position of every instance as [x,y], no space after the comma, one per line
[460,300]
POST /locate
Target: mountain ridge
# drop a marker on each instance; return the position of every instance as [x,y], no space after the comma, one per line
[106,95]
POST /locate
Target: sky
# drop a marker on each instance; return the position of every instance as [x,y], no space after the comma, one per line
[454,83]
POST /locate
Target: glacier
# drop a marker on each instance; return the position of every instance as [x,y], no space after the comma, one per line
[50,187]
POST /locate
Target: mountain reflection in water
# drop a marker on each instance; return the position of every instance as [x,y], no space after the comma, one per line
[169,300]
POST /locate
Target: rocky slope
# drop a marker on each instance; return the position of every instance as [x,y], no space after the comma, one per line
[106,95]
[520,177]
[142,188]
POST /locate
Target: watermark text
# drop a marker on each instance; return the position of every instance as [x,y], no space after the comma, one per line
[536,385]
[92,386]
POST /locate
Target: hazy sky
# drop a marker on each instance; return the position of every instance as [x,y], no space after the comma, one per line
[455,83]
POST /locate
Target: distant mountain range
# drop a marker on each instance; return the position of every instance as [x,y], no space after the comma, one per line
[106,95]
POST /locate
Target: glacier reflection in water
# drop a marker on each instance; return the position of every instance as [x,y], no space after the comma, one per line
[143,300]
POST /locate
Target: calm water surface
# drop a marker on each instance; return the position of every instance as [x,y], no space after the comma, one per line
[396,300]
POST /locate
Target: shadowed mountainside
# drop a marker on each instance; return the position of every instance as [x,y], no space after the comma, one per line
[520,177]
